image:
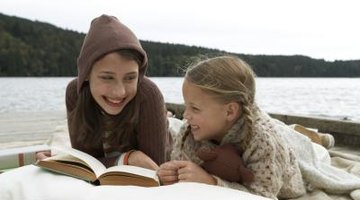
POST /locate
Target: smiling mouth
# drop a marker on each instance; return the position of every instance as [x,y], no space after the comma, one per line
[194,127]
[114,102]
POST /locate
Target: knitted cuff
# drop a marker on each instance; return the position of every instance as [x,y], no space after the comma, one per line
[120,159]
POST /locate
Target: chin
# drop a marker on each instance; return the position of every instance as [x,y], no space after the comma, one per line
[113,111]
[198,138]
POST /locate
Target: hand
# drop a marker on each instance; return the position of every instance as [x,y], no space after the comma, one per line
[138,158]
[191,172]
[168,173]
[42,155]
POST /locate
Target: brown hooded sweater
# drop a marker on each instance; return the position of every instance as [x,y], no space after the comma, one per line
[107,34]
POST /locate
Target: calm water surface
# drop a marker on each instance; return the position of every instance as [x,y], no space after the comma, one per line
[330,97]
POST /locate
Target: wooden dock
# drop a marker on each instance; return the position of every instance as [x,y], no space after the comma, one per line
[28,128]
[346,133]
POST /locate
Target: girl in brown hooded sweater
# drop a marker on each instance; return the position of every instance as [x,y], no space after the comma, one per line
[115,113]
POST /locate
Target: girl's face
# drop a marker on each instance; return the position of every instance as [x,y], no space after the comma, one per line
[209,119]
[113,82]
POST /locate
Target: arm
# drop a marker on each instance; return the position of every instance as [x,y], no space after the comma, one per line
[268,176]
[260,183]
[153,136]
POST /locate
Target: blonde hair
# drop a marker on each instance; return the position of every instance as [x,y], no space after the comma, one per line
[227,79]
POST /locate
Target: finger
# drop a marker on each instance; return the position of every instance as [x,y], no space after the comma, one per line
[165,172]
[181,163]
[47,153]
[165,179]
[183,177]
[169,166]
[40,156]
[167,176]
[183,170]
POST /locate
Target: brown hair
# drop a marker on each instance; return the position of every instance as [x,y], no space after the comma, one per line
[227,79]
[89,121]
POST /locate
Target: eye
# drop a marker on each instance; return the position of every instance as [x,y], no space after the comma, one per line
[195,109]
[106,77]
[130,77]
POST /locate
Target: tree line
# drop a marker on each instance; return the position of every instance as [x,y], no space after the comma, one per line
[33,48]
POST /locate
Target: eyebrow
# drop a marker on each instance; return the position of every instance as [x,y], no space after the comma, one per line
[112,73]
[131,73]
[193,104]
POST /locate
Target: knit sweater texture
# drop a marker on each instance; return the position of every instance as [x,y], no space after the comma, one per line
[153,138]
[271,159]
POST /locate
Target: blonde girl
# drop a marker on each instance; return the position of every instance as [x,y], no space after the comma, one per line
[219,96]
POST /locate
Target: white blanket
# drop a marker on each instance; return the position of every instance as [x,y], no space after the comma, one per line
[315,165]
[32,183]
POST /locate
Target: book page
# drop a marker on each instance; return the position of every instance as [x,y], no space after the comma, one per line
[69,165]
[129,175]
[92,162]
[134,170]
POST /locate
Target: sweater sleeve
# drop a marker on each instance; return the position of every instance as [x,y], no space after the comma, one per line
[267,174]
[154,139]
[267,165]
[265,182]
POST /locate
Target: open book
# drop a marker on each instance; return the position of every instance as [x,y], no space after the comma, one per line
[80,165]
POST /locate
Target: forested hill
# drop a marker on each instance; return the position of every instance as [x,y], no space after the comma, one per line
[32,48]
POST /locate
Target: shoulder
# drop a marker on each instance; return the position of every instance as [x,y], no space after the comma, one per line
[267,141]
[148,87]
[149,91]
[72,85]
[71,94]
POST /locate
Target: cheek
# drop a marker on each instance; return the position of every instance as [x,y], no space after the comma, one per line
[98,89]
[131,89]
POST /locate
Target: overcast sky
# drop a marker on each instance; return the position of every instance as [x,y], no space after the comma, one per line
[325,29]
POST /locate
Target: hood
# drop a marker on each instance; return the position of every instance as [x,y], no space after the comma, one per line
[106,34]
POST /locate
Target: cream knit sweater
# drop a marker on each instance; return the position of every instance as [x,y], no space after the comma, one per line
[273,162]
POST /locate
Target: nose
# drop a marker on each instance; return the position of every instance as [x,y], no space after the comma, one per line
[118,90]
[186,114]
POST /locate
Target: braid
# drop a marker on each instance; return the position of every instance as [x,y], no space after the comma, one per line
[186,134]
[248,120]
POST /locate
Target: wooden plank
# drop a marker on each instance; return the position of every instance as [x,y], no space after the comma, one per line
[346,133]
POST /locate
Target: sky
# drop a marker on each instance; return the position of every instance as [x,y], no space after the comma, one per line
[321,29]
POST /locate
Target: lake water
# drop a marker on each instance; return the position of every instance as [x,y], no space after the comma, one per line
[328,97]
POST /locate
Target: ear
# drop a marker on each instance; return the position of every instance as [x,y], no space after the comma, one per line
[233,111]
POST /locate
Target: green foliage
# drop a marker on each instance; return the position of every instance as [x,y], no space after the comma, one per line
[31,48]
